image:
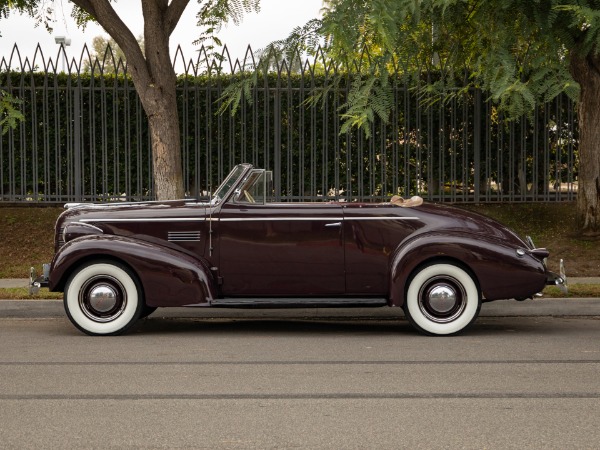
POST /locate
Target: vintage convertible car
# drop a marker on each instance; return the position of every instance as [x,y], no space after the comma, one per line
[117,263]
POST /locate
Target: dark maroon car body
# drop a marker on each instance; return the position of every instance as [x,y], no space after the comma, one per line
[239,251]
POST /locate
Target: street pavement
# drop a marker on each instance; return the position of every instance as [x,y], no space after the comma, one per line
[271,383]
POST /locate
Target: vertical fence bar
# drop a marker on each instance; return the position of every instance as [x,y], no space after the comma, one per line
[477,114]
[277,136]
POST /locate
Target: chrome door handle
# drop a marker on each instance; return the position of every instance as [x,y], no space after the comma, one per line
[335,224]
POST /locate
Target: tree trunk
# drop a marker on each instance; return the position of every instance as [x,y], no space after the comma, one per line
[586,71]
[160,104]
[155,82]
[166,149]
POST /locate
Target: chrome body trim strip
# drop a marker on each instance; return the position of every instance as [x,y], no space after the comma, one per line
[244,219]
[148,219]
[298,219]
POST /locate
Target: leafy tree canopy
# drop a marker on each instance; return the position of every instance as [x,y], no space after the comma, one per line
[517,50]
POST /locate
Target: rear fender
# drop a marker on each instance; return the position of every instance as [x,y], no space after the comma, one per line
[168,277]
[495,266]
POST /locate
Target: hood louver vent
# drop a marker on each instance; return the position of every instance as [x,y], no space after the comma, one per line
[184,236]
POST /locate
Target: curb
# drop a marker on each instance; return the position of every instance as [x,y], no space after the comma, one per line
[577,307]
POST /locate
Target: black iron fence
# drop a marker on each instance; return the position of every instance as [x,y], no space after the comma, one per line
[85,138]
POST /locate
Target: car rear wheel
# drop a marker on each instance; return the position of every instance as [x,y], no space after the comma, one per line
[103,298]
[442,299]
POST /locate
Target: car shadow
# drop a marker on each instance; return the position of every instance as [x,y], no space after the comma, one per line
[352,326]
[270,326]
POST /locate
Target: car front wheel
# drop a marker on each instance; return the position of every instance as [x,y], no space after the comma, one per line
[103,298]
[442,299]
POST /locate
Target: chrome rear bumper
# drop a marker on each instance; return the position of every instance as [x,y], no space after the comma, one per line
[559,280]
[37,282]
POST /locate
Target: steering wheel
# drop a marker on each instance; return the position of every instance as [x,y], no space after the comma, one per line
[249,197]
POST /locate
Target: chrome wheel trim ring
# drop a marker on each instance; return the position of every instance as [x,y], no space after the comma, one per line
[442,299]
[102,298]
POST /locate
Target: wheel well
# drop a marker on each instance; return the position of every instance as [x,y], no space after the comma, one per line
[100,258]
[441,260]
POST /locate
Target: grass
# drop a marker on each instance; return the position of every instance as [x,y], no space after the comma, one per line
[23,294]
[28,233]
[575,291]
[27,239]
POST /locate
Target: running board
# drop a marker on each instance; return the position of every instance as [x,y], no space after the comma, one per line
[298,302]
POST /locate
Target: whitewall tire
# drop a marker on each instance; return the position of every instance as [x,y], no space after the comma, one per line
[442,299]
[103,298]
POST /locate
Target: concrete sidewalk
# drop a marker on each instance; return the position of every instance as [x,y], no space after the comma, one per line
[24,282]
[6,283]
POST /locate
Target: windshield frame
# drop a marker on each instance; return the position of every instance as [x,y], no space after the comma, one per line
[229,184]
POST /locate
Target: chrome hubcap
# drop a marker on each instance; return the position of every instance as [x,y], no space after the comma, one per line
[102,298]
[442,299]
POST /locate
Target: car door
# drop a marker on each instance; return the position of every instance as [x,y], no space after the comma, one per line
[275,249]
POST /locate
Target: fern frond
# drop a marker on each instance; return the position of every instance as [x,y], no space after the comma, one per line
[368,98]
[214,14]
[236,92]
[10,116]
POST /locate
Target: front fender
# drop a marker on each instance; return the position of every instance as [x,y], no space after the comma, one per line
[168,277]
[498,271]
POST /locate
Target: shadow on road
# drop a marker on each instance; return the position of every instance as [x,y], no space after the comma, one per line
[156,325]
[342,326]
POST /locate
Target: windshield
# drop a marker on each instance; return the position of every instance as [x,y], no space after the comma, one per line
[229,182]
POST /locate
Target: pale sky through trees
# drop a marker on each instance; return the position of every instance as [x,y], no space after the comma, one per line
[276,19]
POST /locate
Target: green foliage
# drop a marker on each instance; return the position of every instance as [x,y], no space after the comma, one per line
[585,21]
[41,11]
[240,86]
[22,6]
[517,50]
[9,113]
[211,17]
[81,17]
[368,98]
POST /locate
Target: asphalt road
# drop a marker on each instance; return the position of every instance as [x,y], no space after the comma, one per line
[510,382]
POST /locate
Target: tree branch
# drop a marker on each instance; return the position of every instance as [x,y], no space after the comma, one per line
[174,13]
[157,39]
[106,16]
